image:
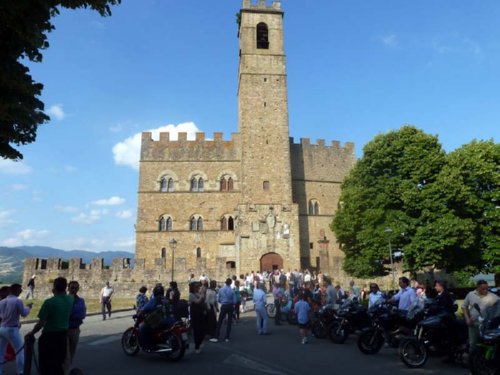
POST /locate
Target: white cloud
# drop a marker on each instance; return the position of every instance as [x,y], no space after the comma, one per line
[113,201]
[125,242]
[66,208]
[69,168]
[56,111]
[125,214]
[13,167]
[389,40]
[18,187]
[127,152]
[6,217]
[90,217]
[25,237]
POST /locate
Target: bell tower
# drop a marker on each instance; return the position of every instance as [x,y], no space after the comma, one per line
[263,105]
[268,227]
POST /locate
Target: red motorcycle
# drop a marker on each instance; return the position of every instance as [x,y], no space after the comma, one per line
[170,342]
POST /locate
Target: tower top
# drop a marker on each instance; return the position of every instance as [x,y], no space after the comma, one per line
[261,4]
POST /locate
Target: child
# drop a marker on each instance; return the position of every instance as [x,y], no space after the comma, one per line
[302,310]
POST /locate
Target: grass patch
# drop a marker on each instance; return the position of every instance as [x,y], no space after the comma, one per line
[93,306]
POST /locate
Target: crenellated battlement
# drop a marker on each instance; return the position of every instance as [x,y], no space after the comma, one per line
[200,148]
[261,4]
[320,143]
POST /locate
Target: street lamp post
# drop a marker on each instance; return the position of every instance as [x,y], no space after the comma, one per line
[389,231]
[173,245]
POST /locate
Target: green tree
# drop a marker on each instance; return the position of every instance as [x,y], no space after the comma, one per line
[384,190]
[24,25]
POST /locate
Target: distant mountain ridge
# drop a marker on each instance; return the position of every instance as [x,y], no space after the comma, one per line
[12,258]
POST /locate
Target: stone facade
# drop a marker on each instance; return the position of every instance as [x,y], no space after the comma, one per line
[258,200]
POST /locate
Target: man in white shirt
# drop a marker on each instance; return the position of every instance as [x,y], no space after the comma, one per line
[105,299]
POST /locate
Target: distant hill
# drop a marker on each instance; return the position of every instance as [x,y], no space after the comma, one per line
[12,258]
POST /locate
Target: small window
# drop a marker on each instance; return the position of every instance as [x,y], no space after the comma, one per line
[170,187]
[200,184]
[227,223]
[311,245]
[200,223]
[162,225]
[262,36]
[194,224]
[313,207]
[194,184]
[223,223]
[167,184]
[198,252]
[265,185]
[163,252]
[230,223]
[229,184]
[163,185]
[169,224]
[223,184]
[165,224]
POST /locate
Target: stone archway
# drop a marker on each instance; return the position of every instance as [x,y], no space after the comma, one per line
[271,262]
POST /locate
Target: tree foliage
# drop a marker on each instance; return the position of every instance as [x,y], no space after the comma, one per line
[24,25]
[441,209]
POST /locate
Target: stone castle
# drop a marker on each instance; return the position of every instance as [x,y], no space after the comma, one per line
[258,201]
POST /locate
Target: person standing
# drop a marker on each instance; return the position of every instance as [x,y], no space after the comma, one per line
[11,307]
[174,295]
[406,295]
[353,290]
[213,308]
[302,310]
[78,314]
[226,299]
[278,293]
[105,299]
[31,288]
[259,301]
[54,319]
[444,299]
[197,296]
[484,299]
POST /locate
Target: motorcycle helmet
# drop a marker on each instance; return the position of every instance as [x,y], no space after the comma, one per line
[158,291]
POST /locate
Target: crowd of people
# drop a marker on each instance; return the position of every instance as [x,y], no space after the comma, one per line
[59,318]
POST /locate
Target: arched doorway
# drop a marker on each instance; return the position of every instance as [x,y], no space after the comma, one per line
[271,262]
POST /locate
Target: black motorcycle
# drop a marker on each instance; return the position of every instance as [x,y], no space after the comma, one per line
[440,334]
[389,325]
[484,359]
[170,342]
[323,318]
[350,317]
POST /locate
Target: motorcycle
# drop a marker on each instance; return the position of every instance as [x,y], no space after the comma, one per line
[389,325]
[170,342]
[350,317]
[440,334]
[484,359]
[323,318]
[287,311]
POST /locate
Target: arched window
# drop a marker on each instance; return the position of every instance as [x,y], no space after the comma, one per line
[262,36]
[198,252]
[163,252]
[196,223]
[170,187]
[163,184]
[313,207]
[223,223]
[230,223]
[223,184]
[197,183]
[227,223]
[165,224]
[229,184]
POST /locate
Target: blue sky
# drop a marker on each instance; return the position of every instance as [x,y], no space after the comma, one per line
[355,69]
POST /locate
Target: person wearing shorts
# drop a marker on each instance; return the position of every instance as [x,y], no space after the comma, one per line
[302,309]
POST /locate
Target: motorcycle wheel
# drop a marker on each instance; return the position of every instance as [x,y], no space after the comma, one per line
[479,365]
[370,342]
[271,310]
[413,353]
[291,318]
[319,329]
[338,332]
[178,348]
[130,342]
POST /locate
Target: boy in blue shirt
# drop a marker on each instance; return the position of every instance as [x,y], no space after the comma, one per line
[302,310]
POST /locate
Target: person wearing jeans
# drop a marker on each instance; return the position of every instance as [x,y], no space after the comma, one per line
[227,300]
[10,309]
[259,300]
